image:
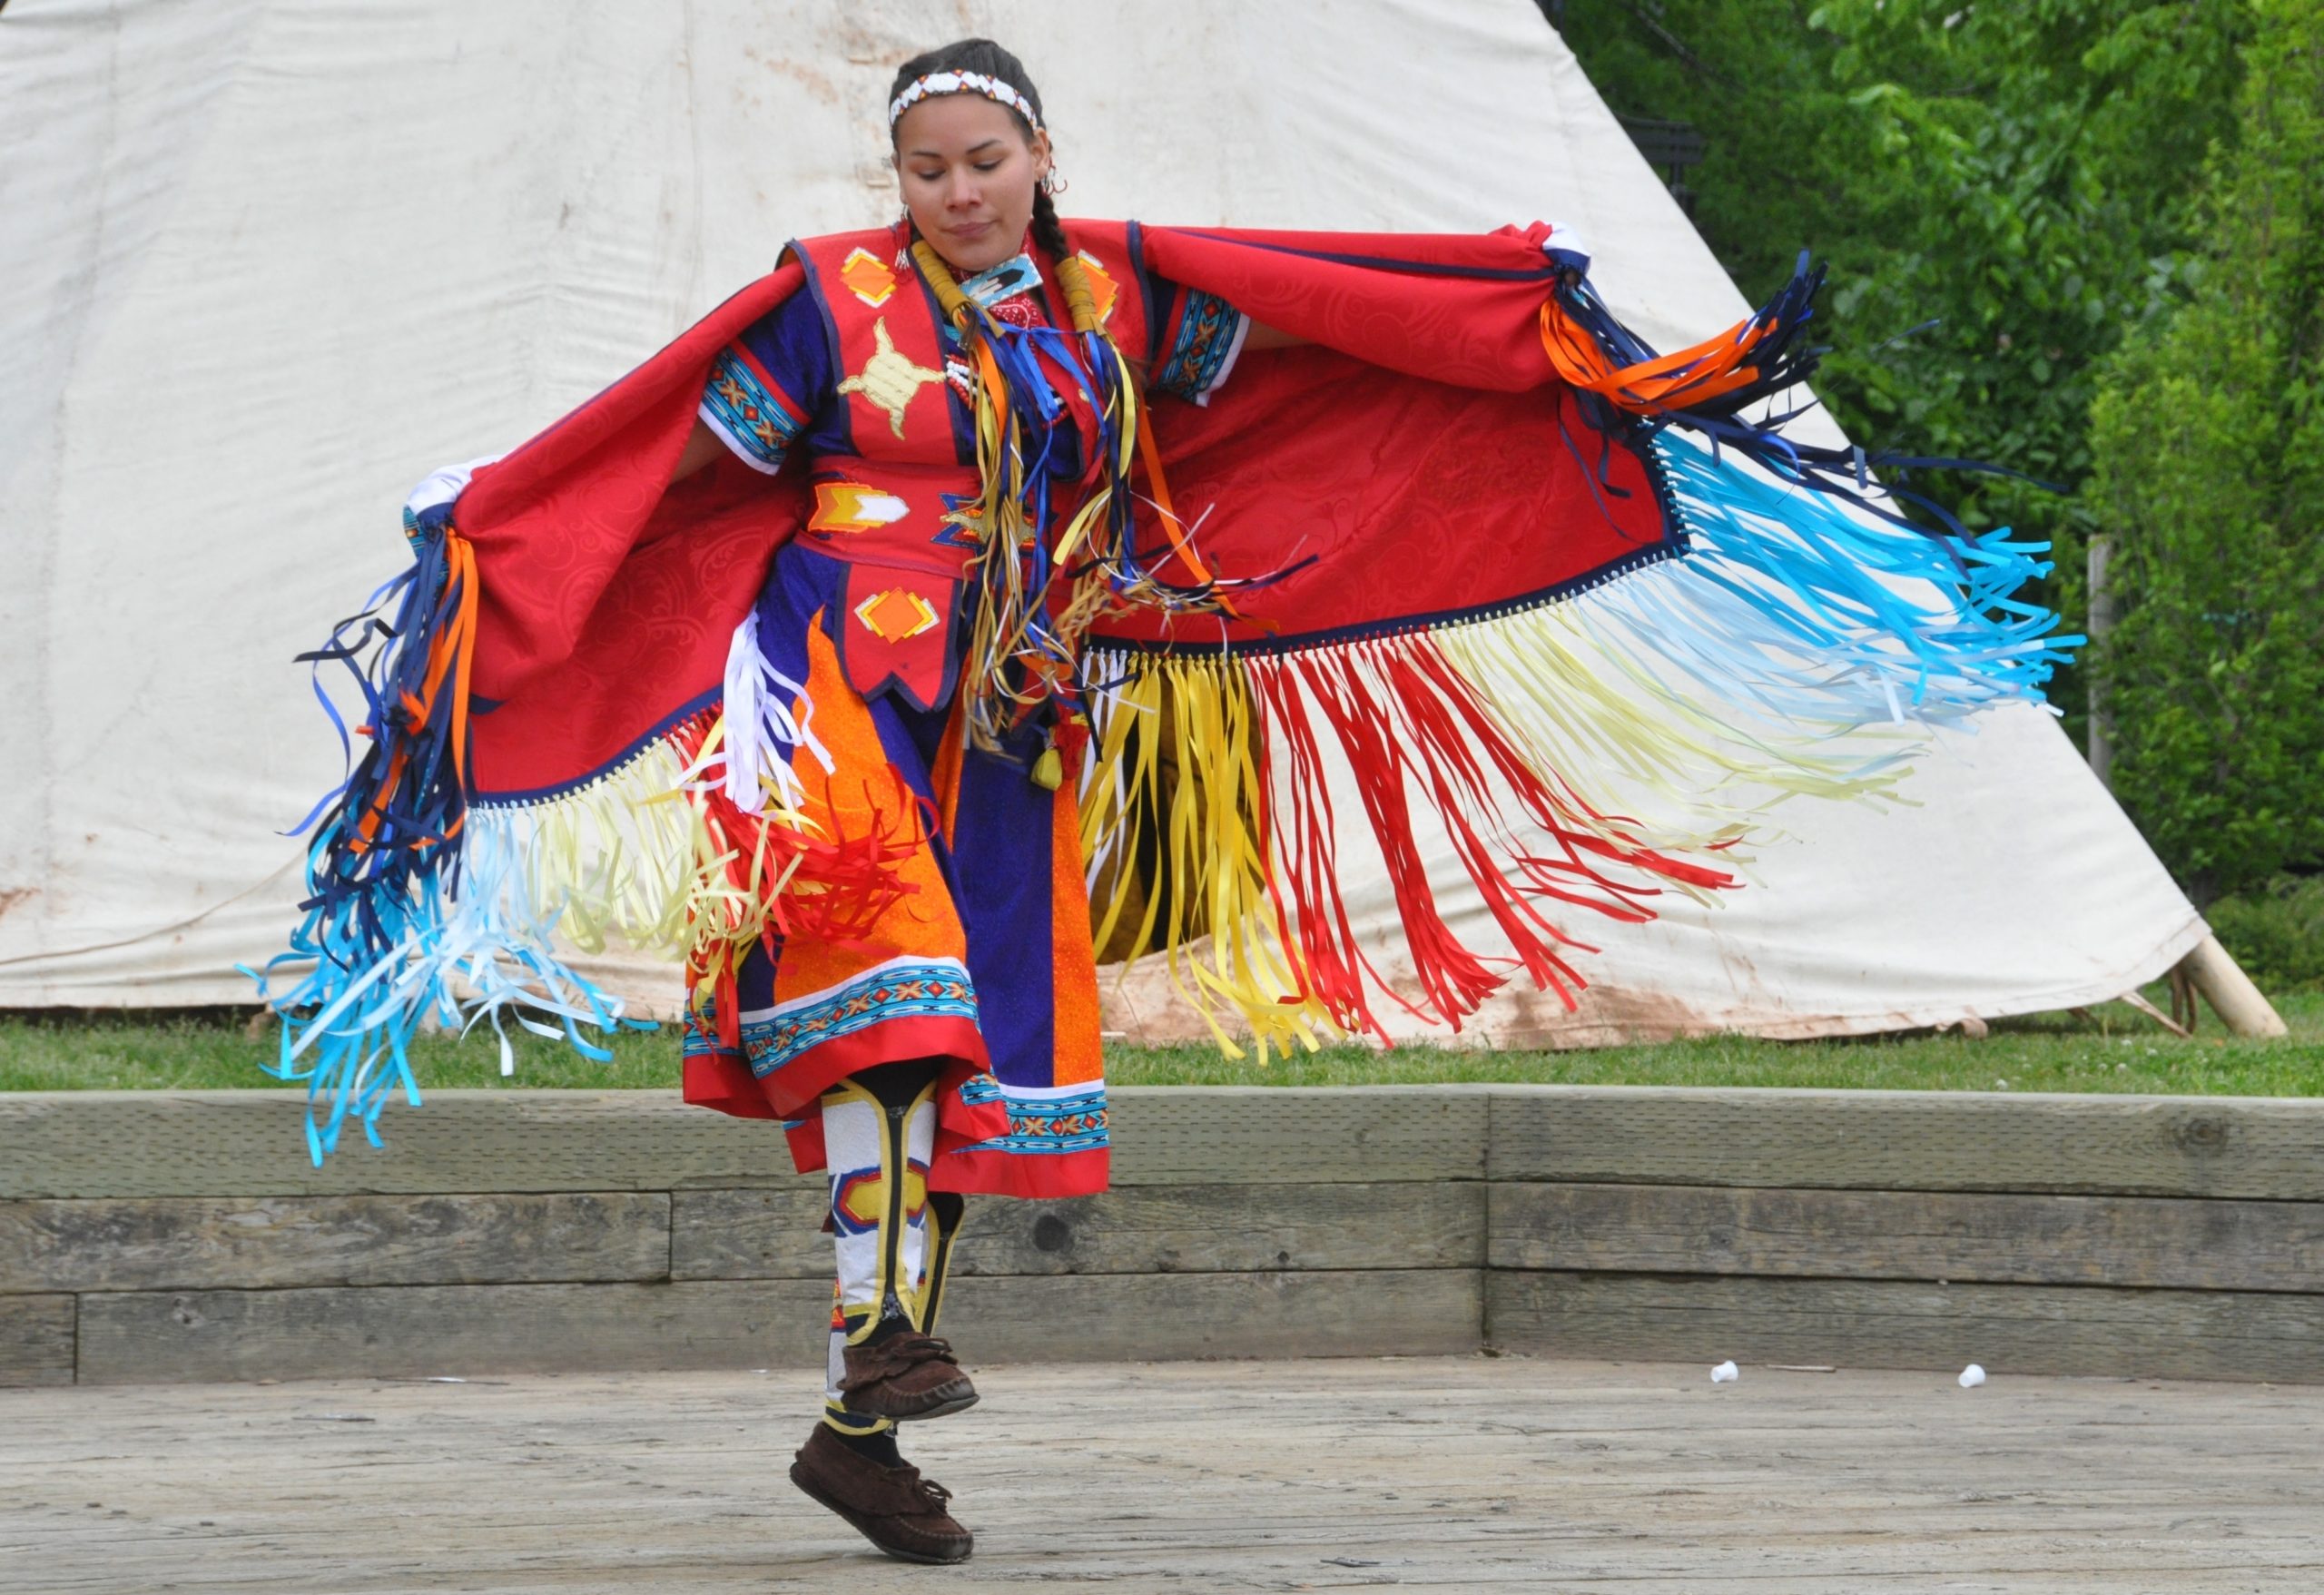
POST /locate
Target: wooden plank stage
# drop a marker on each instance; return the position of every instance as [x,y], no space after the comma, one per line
[154,1237]
[1467,1473]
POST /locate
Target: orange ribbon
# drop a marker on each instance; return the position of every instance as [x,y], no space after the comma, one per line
[1181,542]
[451,655]
[1671,382]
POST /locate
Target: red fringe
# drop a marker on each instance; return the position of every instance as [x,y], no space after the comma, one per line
[1454,979]
[1306,865]
[832,888]
[1553,808]
[1417,716]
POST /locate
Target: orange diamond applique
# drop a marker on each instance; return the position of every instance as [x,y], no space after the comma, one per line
[1101,285]
[867,276]
[895,615]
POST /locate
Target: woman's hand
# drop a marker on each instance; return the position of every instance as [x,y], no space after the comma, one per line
[703,445]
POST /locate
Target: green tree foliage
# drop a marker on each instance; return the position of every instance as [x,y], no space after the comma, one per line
[2016,172]
[2209,438]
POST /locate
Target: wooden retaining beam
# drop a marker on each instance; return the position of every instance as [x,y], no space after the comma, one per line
[2267,1148]
[184,1235]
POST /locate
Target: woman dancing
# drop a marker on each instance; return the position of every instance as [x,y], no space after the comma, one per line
[968,572]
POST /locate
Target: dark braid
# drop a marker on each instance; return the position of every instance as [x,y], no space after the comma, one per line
[1048,230]
[988,59]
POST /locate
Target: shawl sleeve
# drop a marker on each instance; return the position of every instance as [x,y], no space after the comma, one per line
[1197,341]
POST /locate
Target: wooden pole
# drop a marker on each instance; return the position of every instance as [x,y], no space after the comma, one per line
[2230,991]
[2102,621]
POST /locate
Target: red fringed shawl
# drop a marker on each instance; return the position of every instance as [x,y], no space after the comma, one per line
[1410,457]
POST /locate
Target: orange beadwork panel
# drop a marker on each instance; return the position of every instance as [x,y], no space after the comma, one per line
[1080,1056]
[896,615]
[855,506]
[868,277]
[862,794]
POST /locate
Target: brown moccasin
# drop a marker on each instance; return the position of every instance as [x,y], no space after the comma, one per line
[897,1510]
[905,1376]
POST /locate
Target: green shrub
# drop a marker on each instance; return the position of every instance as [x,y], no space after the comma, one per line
[2209,440]
[2276,931]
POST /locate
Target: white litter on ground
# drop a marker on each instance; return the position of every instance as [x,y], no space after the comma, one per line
[1972,1376]
[1725,1373]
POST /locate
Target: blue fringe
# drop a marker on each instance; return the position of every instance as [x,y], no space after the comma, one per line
[1841,607]
[385,930]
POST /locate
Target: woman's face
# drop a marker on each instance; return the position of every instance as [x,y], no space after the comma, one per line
[967,175]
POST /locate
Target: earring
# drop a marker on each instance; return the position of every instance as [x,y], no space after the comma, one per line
[1052,182]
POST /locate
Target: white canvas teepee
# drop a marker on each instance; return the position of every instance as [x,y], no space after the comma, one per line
[266,263]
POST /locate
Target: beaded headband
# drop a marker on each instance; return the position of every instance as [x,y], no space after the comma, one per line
[955,82]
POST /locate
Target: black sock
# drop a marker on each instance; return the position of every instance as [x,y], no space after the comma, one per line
[895,1085]
[880,1448]
[891,1325]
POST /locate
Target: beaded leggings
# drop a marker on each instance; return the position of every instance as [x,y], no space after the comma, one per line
[894,1236]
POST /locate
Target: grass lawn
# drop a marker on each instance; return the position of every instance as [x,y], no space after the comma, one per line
[2115,1050]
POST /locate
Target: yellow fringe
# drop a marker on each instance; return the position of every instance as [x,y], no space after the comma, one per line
[633,855]
[1176,768]
[1558,685]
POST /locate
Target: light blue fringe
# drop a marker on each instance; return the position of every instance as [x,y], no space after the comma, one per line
[470,954]
[1840,618]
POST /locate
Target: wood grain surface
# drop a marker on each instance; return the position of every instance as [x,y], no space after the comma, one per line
[1138,1229]
[191,1243]
[1453,1476]
[90,1144]
[36,1339]
[418,1331]
[137,1144]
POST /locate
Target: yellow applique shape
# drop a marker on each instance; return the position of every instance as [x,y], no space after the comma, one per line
[1102,290]
[851,507]
[888,379]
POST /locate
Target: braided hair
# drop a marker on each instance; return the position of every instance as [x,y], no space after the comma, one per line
[989,59]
